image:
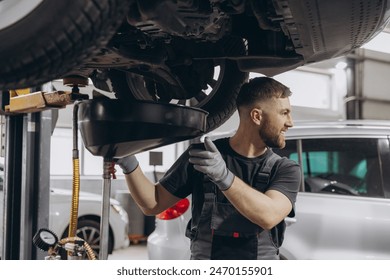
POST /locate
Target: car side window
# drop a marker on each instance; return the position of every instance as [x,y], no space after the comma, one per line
[348,166]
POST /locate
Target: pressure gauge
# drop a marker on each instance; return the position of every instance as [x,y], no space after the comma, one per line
[44,239]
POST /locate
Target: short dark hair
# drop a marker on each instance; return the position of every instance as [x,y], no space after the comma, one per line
[259,89]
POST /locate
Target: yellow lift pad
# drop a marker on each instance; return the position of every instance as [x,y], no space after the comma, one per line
[38,101]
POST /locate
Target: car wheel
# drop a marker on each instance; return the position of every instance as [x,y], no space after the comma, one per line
[52,37]
[222,77]
[89,231]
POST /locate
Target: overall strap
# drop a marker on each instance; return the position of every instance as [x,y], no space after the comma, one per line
[263,175]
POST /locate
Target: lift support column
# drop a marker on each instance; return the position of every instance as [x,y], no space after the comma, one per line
[26,183]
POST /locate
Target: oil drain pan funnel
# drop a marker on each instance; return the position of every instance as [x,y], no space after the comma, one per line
[114,128]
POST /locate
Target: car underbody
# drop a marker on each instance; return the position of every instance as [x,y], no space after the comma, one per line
[192,52]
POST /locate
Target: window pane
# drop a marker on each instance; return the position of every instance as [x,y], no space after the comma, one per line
[347,166]
[303,84]
[342,166]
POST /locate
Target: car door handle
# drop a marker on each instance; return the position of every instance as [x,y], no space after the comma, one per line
[290,221]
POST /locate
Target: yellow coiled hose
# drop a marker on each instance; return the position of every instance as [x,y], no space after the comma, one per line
[74,211]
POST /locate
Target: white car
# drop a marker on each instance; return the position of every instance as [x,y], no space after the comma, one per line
[342,209]
[88,225]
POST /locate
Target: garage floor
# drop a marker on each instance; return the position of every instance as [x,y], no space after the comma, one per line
[133,252]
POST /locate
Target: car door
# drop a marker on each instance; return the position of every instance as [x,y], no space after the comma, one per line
[341,210]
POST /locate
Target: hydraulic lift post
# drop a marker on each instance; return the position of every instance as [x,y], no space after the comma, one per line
[26,183]
[12,187]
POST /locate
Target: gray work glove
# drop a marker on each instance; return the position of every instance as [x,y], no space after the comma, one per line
[127,163]
[211,163]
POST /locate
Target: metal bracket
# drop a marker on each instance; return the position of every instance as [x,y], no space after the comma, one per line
[40,100]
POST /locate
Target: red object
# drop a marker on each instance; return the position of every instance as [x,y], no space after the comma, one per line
[175,211]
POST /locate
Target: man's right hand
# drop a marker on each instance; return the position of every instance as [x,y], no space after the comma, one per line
[127,163]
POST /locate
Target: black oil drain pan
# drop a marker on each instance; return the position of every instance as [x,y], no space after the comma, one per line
[115,128]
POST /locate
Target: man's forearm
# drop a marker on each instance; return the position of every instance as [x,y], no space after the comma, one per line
[142,190]
[151,198]
[265,210]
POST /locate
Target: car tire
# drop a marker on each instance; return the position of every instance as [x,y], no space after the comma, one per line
[89,231]
[221,100]
[52,37]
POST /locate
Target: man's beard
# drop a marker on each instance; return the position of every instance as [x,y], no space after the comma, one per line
[270,136]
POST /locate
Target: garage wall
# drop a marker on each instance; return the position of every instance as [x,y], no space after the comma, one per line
[373,83]
[318,93]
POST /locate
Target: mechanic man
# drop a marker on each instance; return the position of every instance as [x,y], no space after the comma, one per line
[241,190]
